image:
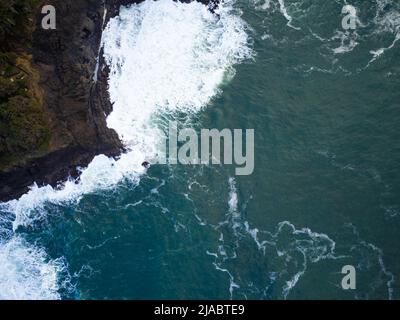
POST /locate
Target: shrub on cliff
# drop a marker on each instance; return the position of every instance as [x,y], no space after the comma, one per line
[15,20]
[23,129]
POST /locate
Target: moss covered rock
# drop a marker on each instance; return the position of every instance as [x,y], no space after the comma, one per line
[23,129]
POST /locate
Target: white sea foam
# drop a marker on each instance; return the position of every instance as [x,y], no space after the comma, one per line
[234,213]
[275,5]
[164,57]
[262,5]
[167,57]
[370,259]
[293,250]
[285,13]
[311,246]
[96,69]
[26,273]
[348,41]
[386,22]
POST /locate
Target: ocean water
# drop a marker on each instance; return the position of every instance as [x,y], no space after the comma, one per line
[325,193]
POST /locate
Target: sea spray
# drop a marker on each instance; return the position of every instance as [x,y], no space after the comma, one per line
[167,57]
[164,56]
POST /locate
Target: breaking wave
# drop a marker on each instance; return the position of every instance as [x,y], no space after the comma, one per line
[164,57]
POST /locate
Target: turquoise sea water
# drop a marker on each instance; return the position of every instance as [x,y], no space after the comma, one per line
[325,192]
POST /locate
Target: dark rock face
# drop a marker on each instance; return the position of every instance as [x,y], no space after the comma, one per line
[75,105]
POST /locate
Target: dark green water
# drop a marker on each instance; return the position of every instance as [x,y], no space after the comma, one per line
[325,192]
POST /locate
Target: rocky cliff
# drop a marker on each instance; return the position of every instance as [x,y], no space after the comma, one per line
[59,124]
[72,106]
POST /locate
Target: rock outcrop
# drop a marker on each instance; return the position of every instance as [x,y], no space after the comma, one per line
[74,105]
[74,96]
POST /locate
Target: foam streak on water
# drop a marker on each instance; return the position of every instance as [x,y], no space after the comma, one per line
[293,250]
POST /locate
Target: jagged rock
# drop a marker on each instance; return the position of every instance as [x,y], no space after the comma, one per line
[75,106]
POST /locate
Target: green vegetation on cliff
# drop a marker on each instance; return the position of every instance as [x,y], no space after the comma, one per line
[23,129]
[16,20]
